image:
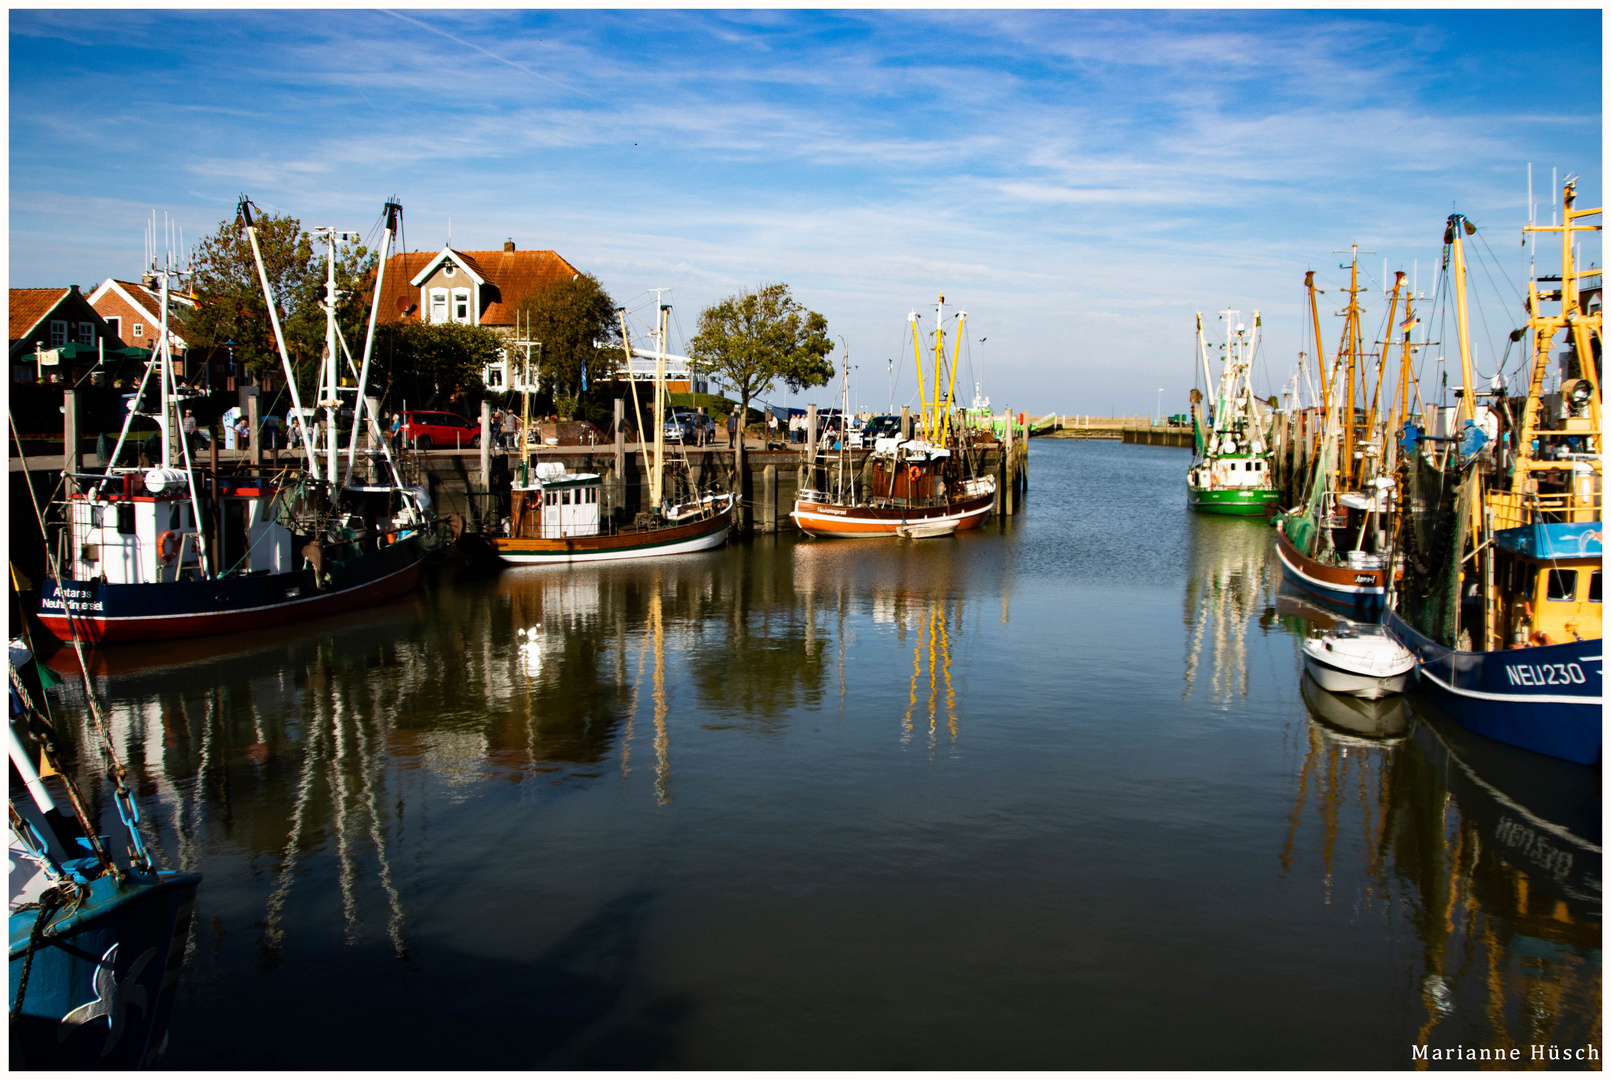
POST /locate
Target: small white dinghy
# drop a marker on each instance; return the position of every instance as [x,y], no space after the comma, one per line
[924,530]
[1358,659]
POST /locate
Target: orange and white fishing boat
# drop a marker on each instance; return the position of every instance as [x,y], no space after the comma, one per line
[926,484]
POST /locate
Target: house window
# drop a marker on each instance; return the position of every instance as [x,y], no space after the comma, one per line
[86,333]
[137,330]
[114,326]
[461,305]
[58,333]
[494,377]
[439,308]
[448,270]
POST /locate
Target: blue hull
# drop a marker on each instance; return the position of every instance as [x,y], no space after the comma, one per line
[1545,699]
[101,984]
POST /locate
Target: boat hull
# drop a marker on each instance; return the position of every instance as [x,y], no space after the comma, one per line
[98,612]
[1232,502]
[858,522]
[701,535]
[1545,699]
[1339,681]
[101,981]
[1378,719]
[1345,588]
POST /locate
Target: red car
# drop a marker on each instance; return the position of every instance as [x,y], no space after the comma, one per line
[427,429]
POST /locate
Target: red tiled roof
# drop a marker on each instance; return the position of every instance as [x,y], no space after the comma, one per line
[28,306]
[515,274]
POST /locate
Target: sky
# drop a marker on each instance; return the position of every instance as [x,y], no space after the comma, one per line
[1081,182]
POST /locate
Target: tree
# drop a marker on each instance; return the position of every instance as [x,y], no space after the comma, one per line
[229,297]
[756,339]
[575,321]
[421,362]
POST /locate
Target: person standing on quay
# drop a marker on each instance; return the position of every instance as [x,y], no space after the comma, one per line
[732,427]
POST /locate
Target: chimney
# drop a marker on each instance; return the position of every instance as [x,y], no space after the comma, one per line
[509,245]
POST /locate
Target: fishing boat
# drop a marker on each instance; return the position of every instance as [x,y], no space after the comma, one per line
[1232,468]
[97,932]
[554,512]
[164,549]
[928,480]
[1335,545]
[1357,659]
[1501,599]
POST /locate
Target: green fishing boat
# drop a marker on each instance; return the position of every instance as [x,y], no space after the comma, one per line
[1231,468]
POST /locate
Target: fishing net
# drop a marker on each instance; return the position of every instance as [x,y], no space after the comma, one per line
[1438,508]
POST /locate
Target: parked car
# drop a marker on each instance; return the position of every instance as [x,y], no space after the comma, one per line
[880,427]
[686,424]
[424,429]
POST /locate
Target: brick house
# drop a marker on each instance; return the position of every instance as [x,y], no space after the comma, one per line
[56,336]
[482,288]
[485,288]
[133,312]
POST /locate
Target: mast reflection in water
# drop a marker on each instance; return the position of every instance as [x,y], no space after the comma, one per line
[873,804]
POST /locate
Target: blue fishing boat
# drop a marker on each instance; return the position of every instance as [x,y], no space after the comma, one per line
[1501,598]
[97,932]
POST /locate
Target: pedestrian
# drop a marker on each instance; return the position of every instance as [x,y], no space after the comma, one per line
[497,426]
[732,427]
[397,432]
[243,433]
[771,428]
[189,426]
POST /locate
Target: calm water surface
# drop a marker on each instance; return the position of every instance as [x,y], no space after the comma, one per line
[1048,795]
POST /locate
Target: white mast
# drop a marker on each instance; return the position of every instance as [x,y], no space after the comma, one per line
[279,335]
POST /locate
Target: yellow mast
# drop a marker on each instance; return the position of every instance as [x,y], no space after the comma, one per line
[951,390]
[932,430]
[1451,236]
[1350,342]
[1381,367]
[1314,314]
[1585,329]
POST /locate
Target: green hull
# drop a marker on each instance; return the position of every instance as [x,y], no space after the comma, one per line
[1254,501]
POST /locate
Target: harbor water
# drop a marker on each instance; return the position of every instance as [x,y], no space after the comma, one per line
[1052,794]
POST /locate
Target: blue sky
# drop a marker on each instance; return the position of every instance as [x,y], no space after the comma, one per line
[1080,181]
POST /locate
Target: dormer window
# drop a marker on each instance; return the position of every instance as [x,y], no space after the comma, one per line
[449,270]
[461,305]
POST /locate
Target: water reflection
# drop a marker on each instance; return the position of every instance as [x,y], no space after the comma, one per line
[664,814]
[1230,576]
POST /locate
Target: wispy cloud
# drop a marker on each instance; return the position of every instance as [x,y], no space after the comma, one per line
[1059,171]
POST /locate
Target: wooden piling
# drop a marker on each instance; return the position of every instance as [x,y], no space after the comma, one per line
[72,458]
[769,497]
[254,436]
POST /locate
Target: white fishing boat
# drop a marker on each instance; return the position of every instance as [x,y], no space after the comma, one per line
[1358,659]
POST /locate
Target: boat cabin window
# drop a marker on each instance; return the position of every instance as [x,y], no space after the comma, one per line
[95,517]
[567,499]
[125,518]
[173,516]
[1562,585]
[1594,586]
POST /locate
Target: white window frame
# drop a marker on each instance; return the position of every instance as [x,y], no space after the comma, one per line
[58,333]
[86,333]
[447,310]
[114,323]
[462,311]
[137,329]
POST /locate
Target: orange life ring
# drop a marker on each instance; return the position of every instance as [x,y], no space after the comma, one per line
[912,473]
[163,553]
[386,540]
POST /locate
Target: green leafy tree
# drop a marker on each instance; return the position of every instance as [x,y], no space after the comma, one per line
[755,340]
[229,297]
[433,364]
[575,320]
